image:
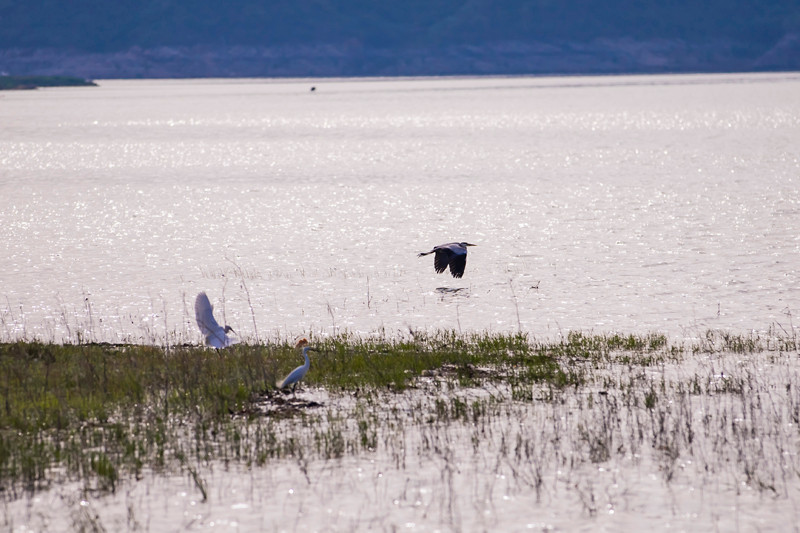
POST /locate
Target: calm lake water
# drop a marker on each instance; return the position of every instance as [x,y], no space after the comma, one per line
[618,204]
[630,204]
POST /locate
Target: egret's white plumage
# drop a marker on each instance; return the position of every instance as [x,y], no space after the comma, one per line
[216,336]
[452,254]
[298,373]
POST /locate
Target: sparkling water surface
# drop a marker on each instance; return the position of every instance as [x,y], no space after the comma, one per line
[603,204]
[625,204]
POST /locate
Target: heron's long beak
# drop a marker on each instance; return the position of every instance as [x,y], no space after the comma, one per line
[468,244]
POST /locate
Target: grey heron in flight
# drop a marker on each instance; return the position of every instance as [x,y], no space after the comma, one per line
[453,254]
[298,373]
[216,336]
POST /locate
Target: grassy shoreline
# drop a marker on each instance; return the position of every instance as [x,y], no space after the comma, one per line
[105,413]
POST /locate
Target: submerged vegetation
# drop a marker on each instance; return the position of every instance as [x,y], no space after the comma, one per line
[104,414]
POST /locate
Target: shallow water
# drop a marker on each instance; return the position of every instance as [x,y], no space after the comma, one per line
[712,458]
[663,203]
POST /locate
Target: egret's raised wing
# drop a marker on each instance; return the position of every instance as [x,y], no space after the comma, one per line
[204,313]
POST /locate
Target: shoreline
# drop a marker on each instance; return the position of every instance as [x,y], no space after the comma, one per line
[21,83]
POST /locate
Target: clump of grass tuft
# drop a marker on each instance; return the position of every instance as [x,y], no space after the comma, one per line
[714,341]
[347,363]
[648,349]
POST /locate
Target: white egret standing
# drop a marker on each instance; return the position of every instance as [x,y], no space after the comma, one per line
[216,336]
[453,254]
[298,373]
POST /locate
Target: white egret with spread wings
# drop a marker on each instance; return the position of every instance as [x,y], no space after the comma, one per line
[216,336]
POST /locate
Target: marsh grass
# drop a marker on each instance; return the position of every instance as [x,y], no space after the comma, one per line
[103,413]
[773,340]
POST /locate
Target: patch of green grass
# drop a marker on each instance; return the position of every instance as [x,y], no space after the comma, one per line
[60,387]
[598,348]
[101,412]
[104,411]
[346,363]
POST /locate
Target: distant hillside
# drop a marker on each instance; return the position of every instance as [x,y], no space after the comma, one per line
[127,38]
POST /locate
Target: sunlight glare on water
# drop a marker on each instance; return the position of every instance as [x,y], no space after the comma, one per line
[627,204]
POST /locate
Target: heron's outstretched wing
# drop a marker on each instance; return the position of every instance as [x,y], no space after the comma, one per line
[204,313]
[457,264]
[456,255]
[442,259]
